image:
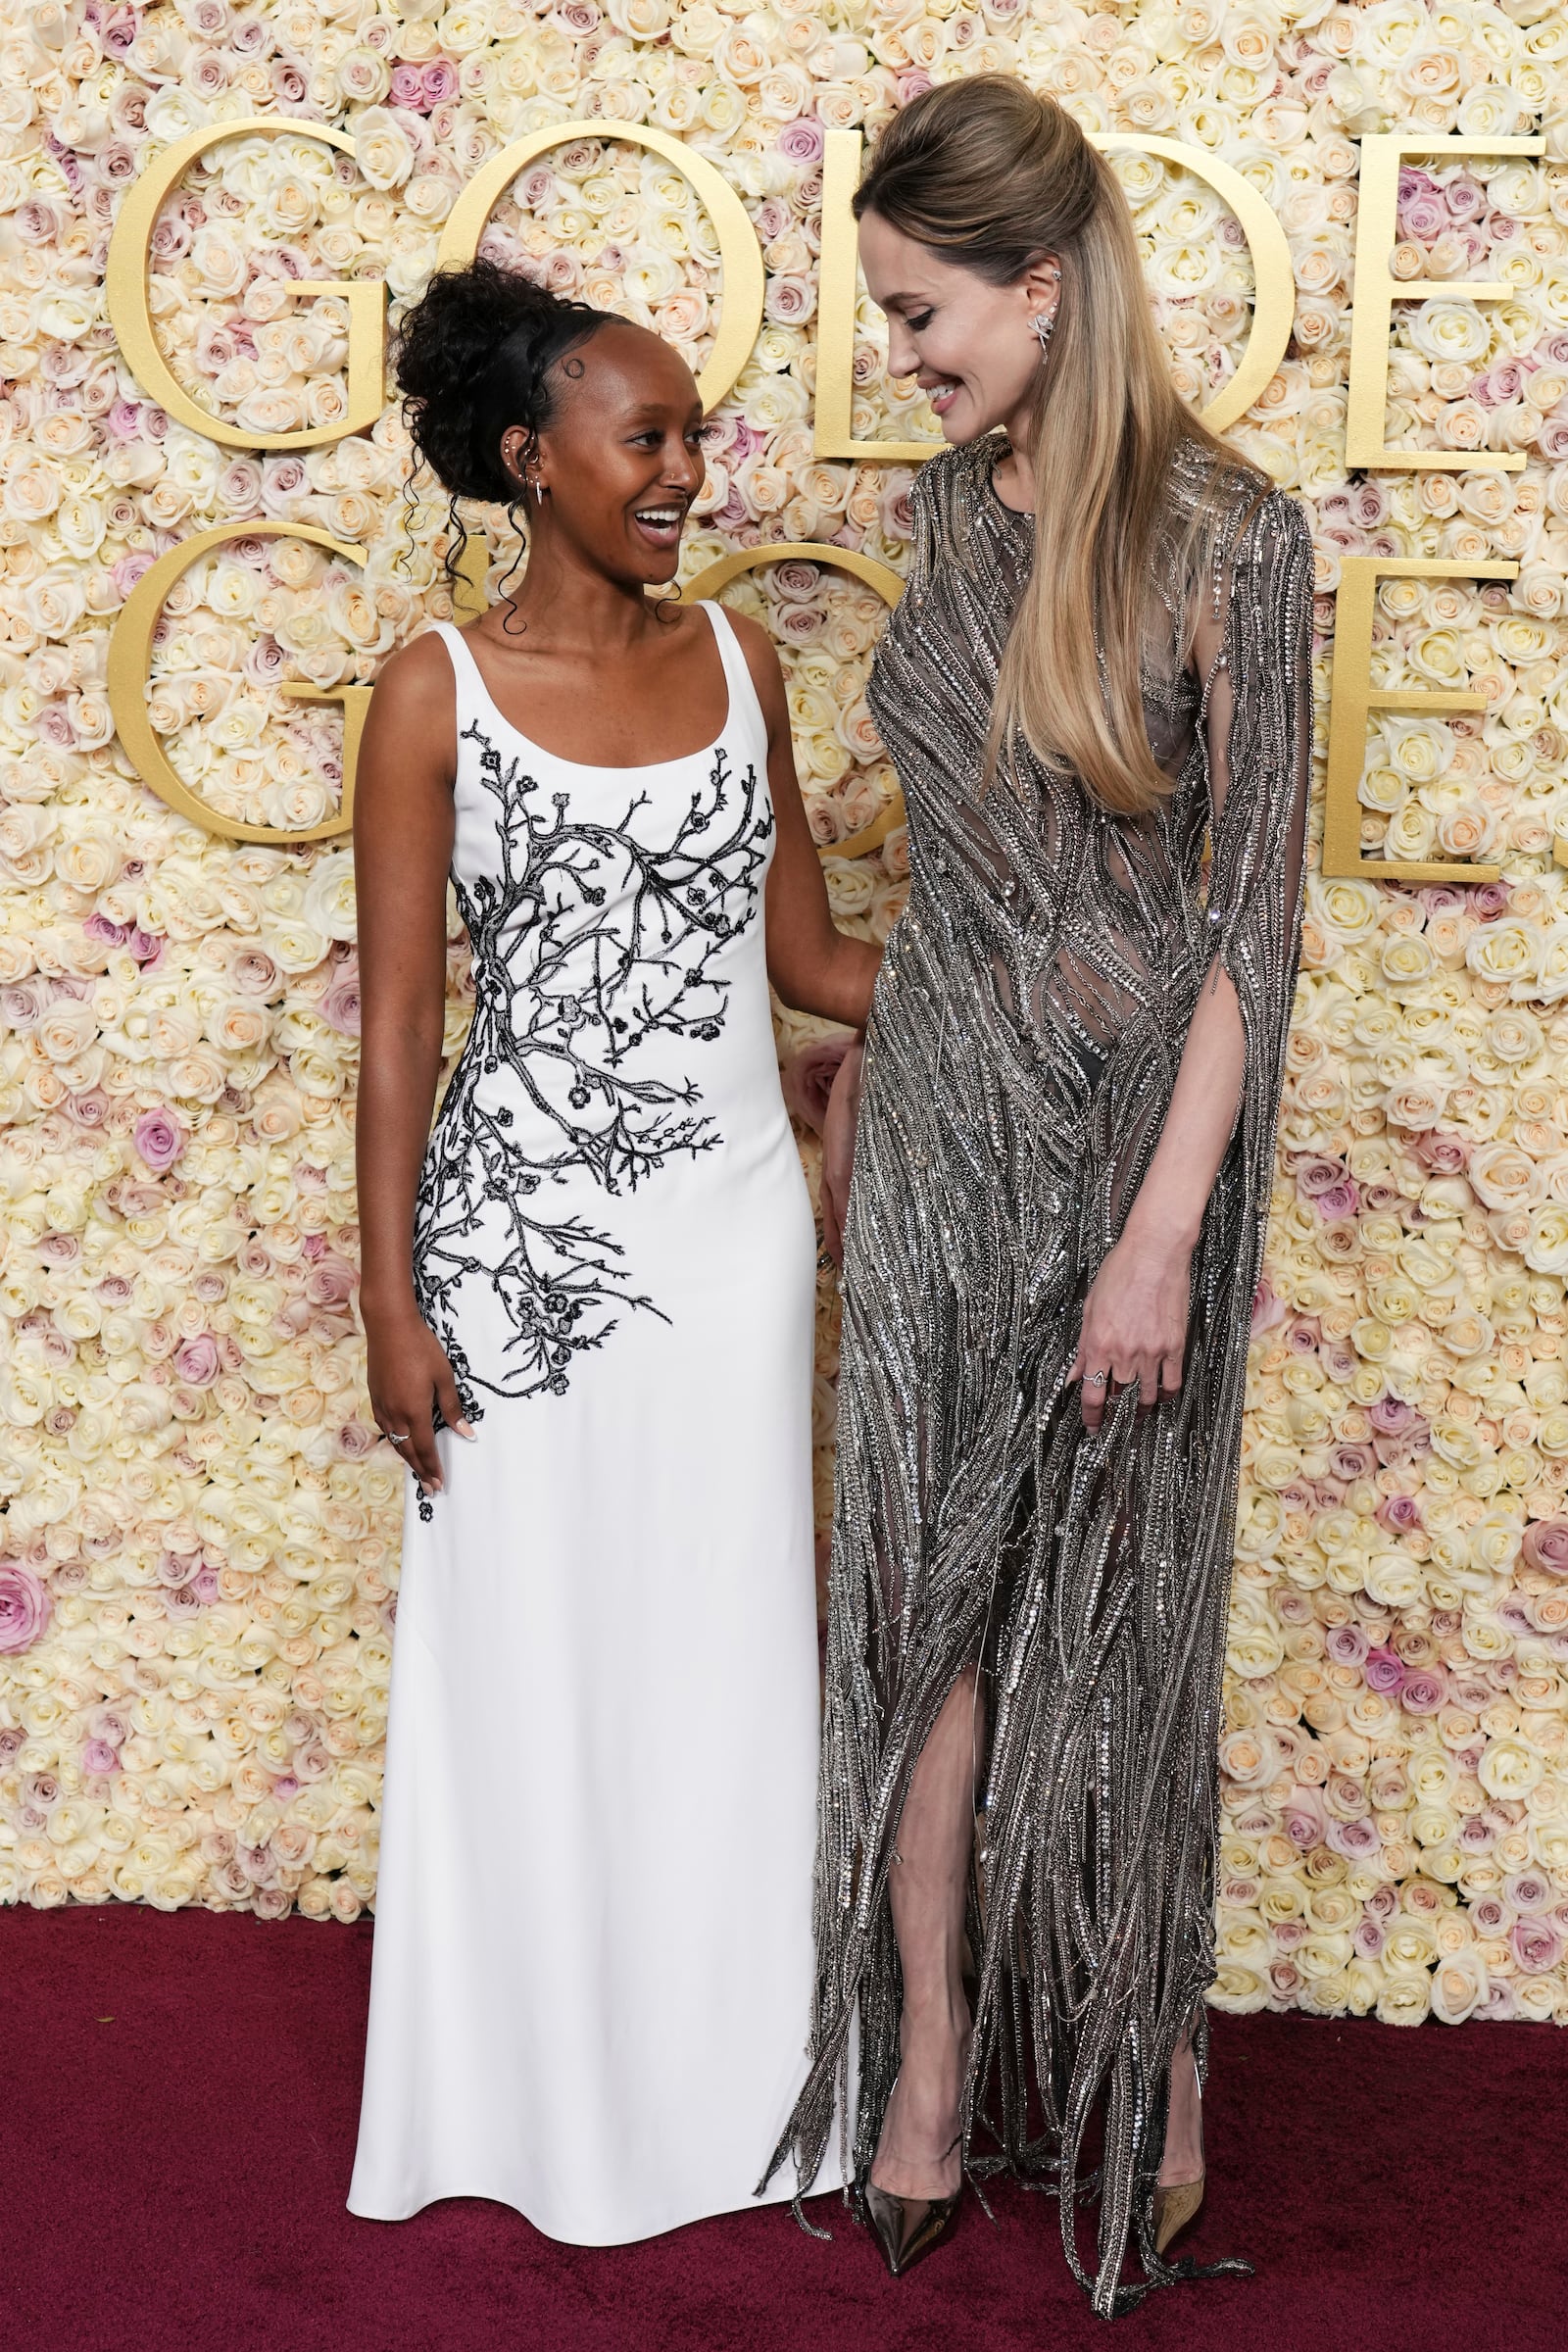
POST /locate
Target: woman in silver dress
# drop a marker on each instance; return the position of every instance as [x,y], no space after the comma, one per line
[1062,1169]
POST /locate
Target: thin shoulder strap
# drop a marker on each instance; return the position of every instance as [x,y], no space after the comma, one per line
[465,666]
[743,697]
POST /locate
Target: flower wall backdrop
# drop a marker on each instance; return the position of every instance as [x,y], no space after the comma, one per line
[200,1553]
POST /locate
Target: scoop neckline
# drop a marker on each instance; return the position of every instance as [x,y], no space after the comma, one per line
[603,767]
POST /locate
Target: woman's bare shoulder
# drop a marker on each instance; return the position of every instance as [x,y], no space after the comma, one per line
[418,675]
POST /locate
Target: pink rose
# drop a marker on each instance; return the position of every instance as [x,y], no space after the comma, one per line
[1444,1154]
[1384,1671]
[1425,1690]
[1398,1513]
[1424,218]
[802,141]
[198,1361]
[808,1075]
[1369,504]
[1545,1545]
[1315,1175]
[160,1139]
[99,1757]
[24,1607]
[340,1006]
[331,1280]
[1268,1309]
[1302,1818]
[1357,1841]
[1346,1645]
[1537,1946]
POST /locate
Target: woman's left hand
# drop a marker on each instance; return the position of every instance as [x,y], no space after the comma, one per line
[1135,1324]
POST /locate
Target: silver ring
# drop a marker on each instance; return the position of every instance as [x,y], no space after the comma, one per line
[396,1436]
[1097,1379]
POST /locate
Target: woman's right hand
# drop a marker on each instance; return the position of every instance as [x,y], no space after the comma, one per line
[409,1376]
[838,1148]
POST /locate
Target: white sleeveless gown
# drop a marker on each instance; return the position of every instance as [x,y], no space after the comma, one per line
[592,1975]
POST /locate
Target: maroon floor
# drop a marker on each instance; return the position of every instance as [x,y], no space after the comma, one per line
[179,2100]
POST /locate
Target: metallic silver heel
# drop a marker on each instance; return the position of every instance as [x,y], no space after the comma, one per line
[909,2228]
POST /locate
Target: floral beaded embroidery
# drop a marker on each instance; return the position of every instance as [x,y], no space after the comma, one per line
[568,992]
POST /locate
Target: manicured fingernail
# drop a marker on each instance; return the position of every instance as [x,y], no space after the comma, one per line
[465,1429]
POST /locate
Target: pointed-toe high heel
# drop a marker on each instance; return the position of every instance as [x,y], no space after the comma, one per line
[1174,2208]
[1177,2205]
[907,2229]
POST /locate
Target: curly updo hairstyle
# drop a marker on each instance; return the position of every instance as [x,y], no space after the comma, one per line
[476,354]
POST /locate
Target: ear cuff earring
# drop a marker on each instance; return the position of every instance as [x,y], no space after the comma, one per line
[1044,321]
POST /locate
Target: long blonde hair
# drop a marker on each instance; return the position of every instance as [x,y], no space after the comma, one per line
[990,176]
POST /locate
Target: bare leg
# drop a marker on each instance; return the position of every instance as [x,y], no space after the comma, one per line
[915,2156]
[1183,2158]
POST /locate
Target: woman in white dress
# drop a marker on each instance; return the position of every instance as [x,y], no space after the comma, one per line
[588,1303]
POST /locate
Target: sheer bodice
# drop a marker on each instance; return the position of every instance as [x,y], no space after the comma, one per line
[1095,931]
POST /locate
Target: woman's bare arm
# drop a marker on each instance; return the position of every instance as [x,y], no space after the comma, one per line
[1135,1314]
[1135,1317]
[814,966]
[402,834]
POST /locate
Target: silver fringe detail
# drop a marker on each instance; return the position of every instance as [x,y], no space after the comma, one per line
[1025,1034]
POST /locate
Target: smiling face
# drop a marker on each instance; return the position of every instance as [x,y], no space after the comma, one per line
[967,342]
[621,459]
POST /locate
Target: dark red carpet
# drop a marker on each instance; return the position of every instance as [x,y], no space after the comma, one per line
[180,2106]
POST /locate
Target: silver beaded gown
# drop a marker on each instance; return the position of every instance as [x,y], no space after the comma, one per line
[1024,1038]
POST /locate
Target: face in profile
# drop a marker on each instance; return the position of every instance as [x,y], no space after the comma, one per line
[622,459]
[966,342]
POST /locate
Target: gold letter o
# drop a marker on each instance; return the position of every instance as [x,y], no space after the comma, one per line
[738,254]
